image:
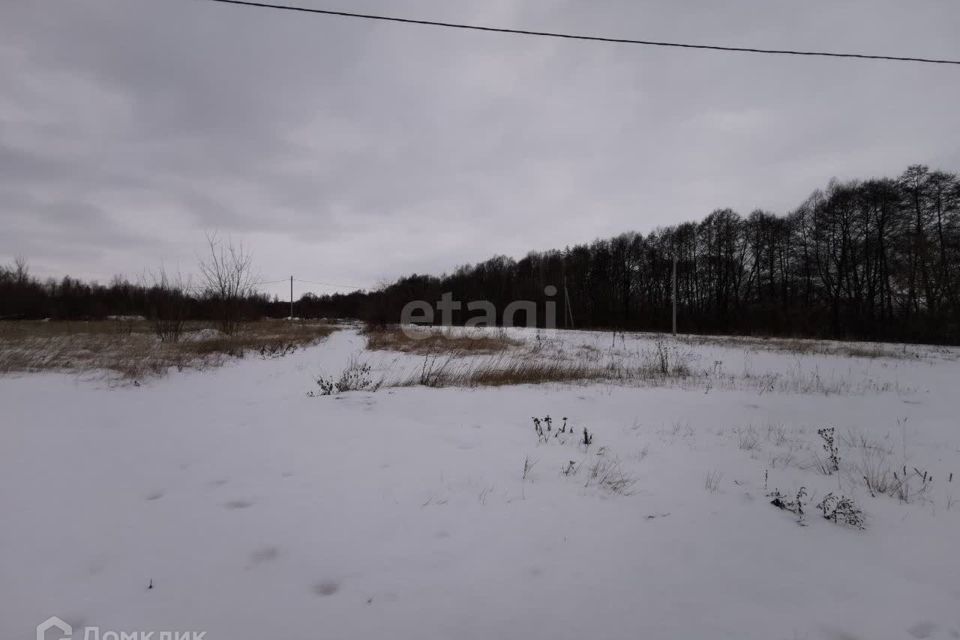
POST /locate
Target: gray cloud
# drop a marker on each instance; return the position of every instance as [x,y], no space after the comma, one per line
[352,152]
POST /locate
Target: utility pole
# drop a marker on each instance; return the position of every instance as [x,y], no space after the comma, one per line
[568,312]
[291,297]
[674,294]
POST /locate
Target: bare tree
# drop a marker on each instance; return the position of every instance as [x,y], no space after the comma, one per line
[227,280]
[21,270]
[167,301]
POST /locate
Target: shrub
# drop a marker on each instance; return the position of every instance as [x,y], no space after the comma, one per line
[794,506]
[841,510]
[665,361]
[356,377]
[166,303]
[832,463]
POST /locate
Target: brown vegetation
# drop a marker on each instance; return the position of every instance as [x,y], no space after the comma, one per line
[428,341]
[131,349]
[528,367]
[804,346]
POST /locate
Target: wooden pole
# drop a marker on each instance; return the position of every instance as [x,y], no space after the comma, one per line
[569,310]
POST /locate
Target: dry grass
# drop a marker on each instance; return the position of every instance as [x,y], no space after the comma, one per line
[711,480]
[747,438]
[798,380]
[130,349]
[500,372]
[806,346]
[497,371]
[529,367]
[608,475]
[872,460]
[485,359]
[428,341]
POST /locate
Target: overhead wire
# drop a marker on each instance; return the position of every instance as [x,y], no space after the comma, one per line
[590,38]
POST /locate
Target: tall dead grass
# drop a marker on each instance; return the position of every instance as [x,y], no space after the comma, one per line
[528,367]
[131,350]
[806,346]
[429,341]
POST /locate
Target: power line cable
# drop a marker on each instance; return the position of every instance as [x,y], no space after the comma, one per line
[324,284]
[570,36]
[330,284]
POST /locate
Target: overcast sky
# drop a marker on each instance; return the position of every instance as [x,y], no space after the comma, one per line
[353,152]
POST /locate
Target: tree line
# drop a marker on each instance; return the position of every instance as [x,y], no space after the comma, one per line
[225,294]
[872,259]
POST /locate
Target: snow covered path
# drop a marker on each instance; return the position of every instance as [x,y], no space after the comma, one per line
[258,512]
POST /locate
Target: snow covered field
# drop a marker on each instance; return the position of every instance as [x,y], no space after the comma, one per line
[256,511]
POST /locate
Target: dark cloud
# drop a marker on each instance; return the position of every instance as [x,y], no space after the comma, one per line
[350,151]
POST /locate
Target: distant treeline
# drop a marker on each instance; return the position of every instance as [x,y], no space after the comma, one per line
[874,259]
[24,297]
[225,294]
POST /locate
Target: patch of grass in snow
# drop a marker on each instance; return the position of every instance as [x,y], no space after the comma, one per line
[747,438]
[798,380]
[130,350]
[859,461]
[355,377]
[488,359]
[526,367]
[870,462]
[429,341]
[809,347]
[870,459]
[607,474]
[711,480]
[496,371]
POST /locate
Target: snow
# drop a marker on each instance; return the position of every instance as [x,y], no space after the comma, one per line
[259,512]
